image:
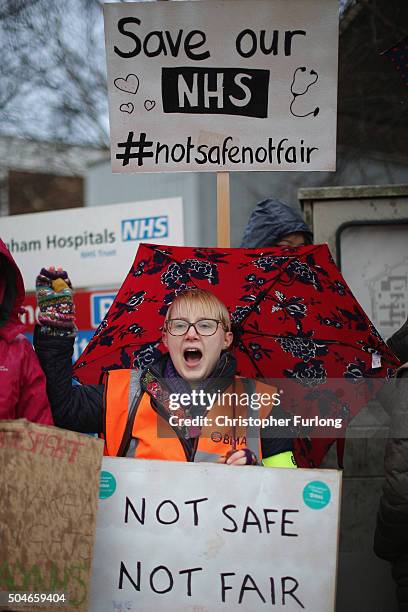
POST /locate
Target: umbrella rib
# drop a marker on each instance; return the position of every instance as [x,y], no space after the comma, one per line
[268,335]
[248,354]
[325,341]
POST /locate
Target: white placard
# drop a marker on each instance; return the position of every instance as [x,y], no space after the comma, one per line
[222,85]
[96,245]
[204,537]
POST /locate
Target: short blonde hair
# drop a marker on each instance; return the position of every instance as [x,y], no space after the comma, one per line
[212,307]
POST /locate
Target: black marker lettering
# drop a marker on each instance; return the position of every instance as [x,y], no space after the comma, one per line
[285,521]
[123,571]
[285,592]
[223,585]
[121,27]
[176,512]
[189,572]
[224,511]
[249,588]
[195,502]
[128,504]
[160,568]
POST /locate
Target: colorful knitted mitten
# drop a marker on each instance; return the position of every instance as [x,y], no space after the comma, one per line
[54,298]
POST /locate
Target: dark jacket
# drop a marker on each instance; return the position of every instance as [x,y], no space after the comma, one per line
[22,382]
[269,221]
[80,407]
[391,535]
[77,408]
[398,343]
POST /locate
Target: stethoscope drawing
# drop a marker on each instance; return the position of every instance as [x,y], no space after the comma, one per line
[297,94]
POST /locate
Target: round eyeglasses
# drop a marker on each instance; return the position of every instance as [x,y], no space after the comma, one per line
[203,327]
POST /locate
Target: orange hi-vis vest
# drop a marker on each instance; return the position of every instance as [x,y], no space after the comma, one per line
[133,427]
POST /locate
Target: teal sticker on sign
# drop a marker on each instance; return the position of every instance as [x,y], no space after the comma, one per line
[107,485]
[316,495]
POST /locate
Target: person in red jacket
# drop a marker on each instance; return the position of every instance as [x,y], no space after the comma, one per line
[22,381]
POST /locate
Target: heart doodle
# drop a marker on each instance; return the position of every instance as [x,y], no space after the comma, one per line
[149,104]
[127,108]
[130,84]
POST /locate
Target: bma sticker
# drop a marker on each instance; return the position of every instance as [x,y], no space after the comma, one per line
[107,485]
[316,495]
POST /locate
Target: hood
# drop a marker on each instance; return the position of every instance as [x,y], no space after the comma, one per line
[270,220]
[12,294]
[398,343]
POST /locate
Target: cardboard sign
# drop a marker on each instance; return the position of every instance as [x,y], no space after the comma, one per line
[174,536]
[221,85]
[96,244]
[49,482]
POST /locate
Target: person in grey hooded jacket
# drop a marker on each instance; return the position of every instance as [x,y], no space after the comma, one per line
[391,534]
[274,223]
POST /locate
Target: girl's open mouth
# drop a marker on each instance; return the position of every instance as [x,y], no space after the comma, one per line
[192,356]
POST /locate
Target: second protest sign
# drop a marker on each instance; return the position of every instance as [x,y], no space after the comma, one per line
[174,536]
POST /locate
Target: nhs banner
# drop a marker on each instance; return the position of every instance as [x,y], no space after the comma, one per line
[96,245]
[146,228]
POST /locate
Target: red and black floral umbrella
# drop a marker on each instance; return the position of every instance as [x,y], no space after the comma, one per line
[294,320]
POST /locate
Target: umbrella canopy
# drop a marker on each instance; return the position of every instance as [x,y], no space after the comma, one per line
[294,320]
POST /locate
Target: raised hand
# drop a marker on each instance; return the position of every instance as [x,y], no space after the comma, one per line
[54,298]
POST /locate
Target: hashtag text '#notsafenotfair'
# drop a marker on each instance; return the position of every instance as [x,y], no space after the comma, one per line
[275,152]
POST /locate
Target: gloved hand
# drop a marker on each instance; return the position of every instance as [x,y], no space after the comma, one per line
[54,298]
[241,457]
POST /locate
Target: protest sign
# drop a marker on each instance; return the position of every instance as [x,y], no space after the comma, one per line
[95,244]
[49,482]
[176,536]
[222,85]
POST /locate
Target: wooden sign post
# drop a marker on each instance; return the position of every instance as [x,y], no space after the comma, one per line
[223,210]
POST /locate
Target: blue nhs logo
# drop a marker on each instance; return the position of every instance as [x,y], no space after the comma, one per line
[147,227]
